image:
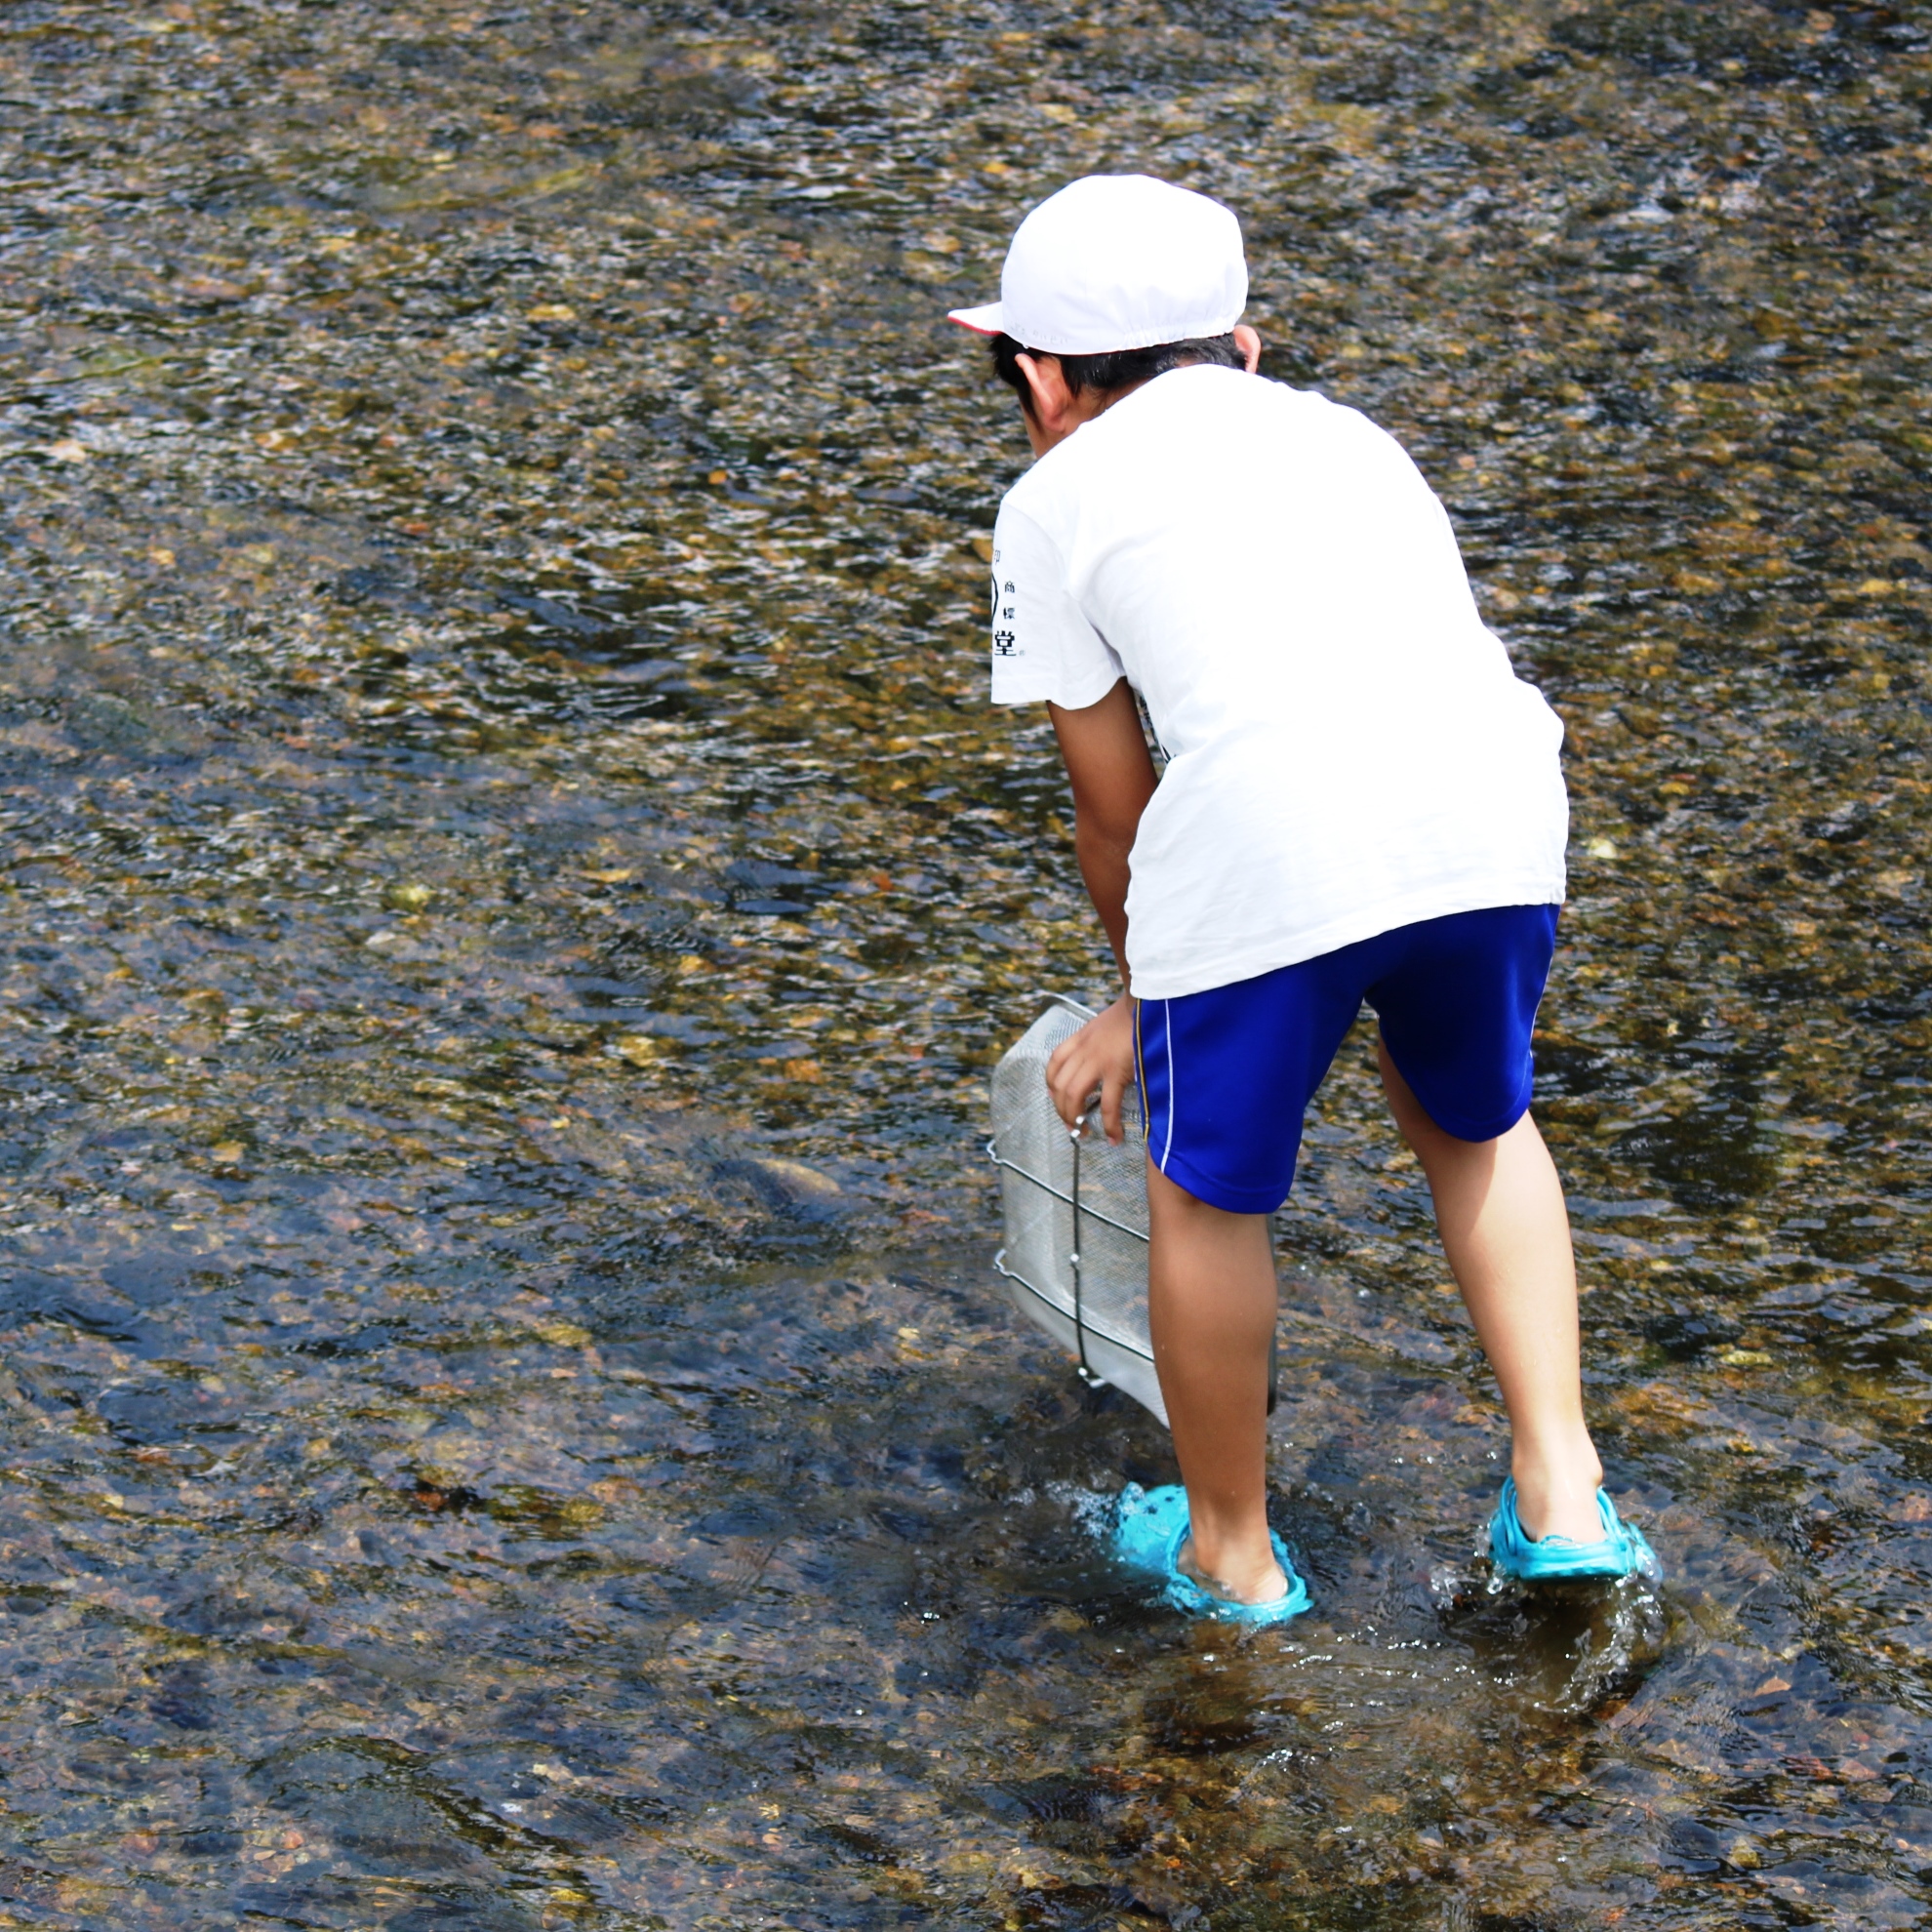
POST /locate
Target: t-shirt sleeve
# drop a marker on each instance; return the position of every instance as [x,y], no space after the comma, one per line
[1043,649]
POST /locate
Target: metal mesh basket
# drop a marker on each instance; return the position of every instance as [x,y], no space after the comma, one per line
[1075,1258]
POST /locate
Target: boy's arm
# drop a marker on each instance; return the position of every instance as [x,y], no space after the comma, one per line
[1113,776]
[1105,753]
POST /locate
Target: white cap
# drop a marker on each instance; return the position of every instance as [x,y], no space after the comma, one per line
[1117,262]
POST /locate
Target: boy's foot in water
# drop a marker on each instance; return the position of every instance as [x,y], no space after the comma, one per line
[1150,1531]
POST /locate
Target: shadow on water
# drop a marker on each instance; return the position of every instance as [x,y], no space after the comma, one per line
[513,891]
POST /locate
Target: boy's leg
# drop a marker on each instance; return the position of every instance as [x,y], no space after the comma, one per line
[1211,1308]
[1499,1205]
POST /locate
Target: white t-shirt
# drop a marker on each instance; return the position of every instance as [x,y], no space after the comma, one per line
[1349,749]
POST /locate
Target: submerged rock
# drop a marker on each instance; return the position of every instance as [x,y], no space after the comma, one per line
[786,1186]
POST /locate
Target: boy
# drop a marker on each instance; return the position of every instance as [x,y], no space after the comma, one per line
[1359,801]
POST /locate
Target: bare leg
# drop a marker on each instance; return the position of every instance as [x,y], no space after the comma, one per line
[1211,1307]
[1500,1208]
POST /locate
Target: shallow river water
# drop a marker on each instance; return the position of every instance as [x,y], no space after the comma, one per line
[513,893]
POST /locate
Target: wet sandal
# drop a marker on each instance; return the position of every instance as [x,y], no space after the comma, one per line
[1149,1530]
[1621,1551]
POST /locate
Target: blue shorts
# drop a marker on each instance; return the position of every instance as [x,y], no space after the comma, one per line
[1227,1074]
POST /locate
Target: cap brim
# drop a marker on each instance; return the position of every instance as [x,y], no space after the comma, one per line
[986,320]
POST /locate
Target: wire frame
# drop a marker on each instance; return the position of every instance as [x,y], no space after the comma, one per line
[1075,1258]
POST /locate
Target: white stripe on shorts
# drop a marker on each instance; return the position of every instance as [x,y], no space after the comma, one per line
[1167,1040]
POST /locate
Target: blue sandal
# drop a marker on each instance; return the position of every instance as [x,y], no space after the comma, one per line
[1621,1551]
[1149,1529]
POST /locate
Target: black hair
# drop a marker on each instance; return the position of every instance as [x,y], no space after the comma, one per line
[1114,370]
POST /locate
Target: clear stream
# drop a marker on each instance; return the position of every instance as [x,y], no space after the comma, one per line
[513,893]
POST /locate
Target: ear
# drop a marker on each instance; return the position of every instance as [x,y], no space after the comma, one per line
[1249,343]
[1052,404]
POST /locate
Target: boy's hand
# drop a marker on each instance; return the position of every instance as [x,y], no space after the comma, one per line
[1099,1056]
